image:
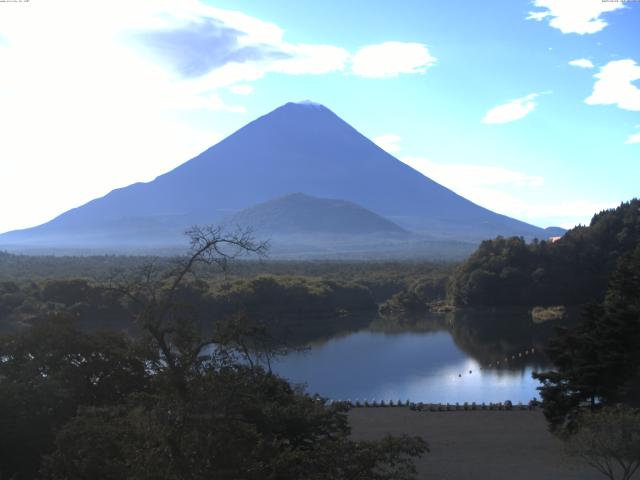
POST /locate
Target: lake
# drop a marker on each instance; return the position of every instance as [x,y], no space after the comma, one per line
[439,358]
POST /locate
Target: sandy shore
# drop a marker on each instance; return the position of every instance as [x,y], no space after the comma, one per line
[477,445]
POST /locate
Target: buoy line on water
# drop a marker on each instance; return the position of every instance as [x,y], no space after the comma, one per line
[514,356]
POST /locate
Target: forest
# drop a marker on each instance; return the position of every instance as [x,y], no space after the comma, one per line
[573,270]
[275,293]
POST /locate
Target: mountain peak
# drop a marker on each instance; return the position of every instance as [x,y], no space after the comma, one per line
[306,105]
[310,103]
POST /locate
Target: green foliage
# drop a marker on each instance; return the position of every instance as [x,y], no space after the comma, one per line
[272,300]
[238,423]
[378,276]
[46,373]
[268,297]
[417,297]
[273,291]
[597,360]
[572,271]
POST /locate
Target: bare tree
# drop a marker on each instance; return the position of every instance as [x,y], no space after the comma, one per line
[609,441]
[176,335]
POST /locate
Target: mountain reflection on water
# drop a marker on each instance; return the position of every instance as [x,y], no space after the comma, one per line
[466,356]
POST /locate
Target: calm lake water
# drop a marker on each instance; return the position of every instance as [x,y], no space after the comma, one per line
[437,359]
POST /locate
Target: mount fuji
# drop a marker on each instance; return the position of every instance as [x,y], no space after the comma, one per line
[297,148]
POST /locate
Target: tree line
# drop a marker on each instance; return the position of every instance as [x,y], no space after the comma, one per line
[573,270]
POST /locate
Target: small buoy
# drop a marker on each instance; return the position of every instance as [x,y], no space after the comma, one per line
[459,375]
[470,372]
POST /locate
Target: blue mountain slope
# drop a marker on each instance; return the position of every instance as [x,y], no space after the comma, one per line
[299,147]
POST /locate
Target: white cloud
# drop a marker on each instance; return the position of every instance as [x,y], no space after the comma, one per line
[242,89]
[510,192]
[565,214]
[539,16]
[389,142]
[112,97]
[615,85]
[574,16]
[462,176]
[511,111]
[582,63]
[634,138]
[310,60]
[216,103]
[390,59]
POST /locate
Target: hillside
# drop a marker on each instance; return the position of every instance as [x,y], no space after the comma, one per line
[298,213]
[573,270]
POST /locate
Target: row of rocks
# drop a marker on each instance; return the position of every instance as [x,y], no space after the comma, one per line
[439,407]
[457,407]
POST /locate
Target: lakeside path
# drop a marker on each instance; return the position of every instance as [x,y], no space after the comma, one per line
[476,445]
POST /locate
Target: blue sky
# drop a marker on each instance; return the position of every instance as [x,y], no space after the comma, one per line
[528,107]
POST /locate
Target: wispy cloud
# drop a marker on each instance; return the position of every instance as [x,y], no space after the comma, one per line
[391,59]
[615,85]
[219,48]
[512,110]
[389,142]
[463,176]
[634,138]
[196,47]
[311,60]
[582,63]
[242,89]
[574,16]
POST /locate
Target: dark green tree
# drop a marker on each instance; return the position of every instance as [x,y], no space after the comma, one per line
[597,360]
[574,270]
[46,373]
